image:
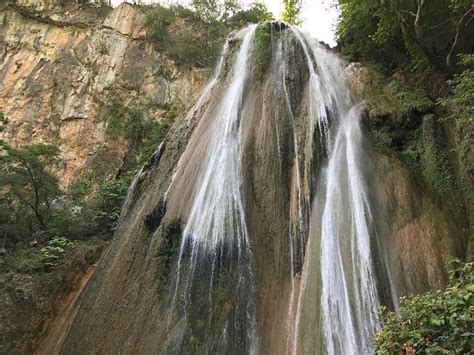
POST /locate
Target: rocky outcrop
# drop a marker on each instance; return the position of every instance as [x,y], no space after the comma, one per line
[59,64]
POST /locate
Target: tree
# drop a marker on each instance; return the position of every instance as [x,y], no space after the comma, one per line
[291,11]
[255,13]
[406,34]
[27,187]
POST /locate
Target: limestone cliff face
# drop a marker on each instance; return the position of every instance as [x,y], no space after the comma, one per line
[426,223]
[59,64]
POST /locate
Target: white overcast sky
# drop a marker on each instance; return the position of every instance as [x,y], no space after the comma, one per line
[318,17]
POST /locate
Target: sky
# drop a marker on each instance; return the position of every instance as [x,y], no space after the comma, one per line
[319,18]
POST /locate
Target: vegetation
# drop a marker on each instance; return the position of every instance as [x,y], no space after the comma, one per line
[27,190]
[460,101]
[34,210]
[262,48]
[291,12]
[129,121]
[415,35]
[432,323]
[195,37]
[167,252]
[101,4]
[420,52]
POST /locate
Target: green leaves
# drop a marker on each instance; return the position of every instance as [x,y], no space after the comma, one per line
[461,101]
[27,188]
[405,34]
[291,12]
[262,47]
[439,322]
[194,37]
[54,250]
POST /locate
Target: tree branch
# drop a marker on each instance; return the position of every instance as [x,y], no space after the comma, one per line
[456,37]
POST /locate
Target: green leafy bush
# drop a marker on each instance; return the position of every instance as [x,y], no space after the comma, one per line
[54,250]
[124,120]
[129,121]
[433,322]
[398,101]
[461,100]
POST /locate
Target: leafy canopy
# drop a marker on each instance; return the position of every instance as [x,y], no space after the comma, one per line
[27,188]
[407,34]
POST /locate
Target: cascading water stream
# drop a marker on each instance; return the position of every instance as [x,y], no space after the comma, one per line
[215,237]
[348,297]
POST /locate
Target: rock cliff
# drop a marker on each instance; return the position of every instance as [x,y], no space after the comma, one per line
[60,63]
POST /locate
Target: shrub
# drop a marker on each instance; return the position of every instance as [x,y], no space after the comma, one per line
[129,121]
[433,322]
[55,249]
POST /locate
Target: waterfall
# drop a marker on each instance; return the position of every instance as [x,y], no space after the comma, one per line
[348,297]
[259,224]
[215,237]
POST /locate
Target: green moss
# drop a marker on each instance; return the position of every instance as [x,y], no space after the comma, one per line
[262,48]
[171,238]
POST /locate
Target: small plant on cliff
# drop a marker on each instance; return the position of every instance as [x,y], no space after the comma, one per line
[129,121]
[433,322]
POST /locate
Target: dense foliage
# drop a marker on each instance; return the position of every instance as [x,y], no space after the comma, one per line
[420,53]
[194,37]
[439,322]
[34,210]
[27,190]
[406,34]
[461,100]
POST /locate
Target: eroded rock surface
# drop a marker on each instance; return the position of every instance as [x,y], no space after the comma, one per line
[58,65]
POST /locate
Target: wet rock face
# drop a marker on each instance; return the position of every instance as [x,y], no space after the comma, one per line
[57,67]
[360,81]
